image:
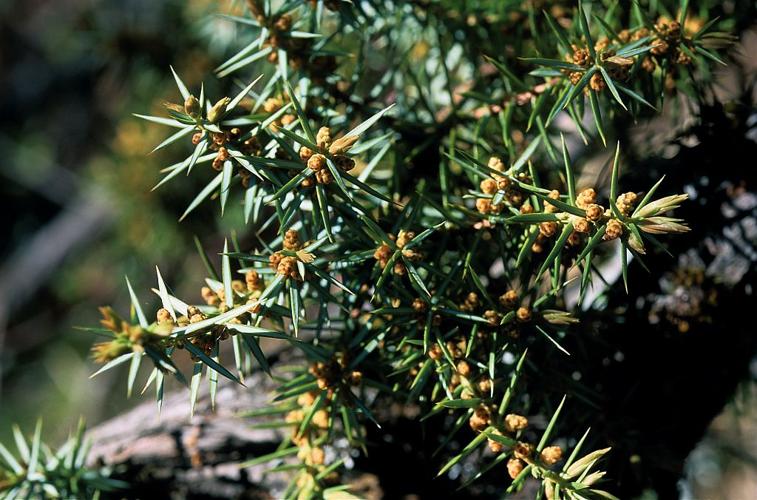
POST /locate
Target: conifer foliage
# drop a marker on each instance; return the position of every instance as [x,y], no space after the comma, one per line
[407,171]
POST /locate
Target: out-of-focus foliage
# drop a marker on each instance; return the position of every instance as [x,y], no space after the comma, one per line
[77,179]
[37,471]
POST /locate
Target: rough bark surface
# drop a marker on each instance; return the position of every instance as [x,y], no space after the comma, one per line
[177,456]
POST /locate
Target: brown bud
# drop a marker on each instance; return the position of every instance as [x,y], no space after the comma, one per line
[399,269]
[548,228]
[496,163]
[317,456]
[291,240]
[514,467]
[585,198]
[192,106]
[594,212]
[495,446]
[503,183]
[492,317]
[581,225]
[321,419]
[488,186]
[356,377]
[551,455]
[509,299]
[323,137]
[404,237]
[306,399]
[515,423]
[283,23]
[419,305]
[316,162]
[597,82]
[272,104]
[485,385]
[324,176]
[550,208]
[523,450]
[483,205]
[305,153]
[613,230]
[163,315]
[463,368]
[480,419]
[523,314]
[435,352]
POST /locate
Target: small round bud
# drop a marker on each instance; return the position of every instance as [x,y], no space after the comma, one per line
[272,104]
[551,455]
[274,259]
[305,153]
[419,305]
[509,299]
[523,314]
[626,203]
[480,419]
[323,137]
[597,82]
[613,230]
[463,368]
[485,385]
[523,450]
[324,176]
[317,456]
[404,237]
[581,225]
[548,207]
[306,399]
[488,186]
[399,269]
[283,23]
[492,317]
[548,228]
[495,446]
[514,467]
[435,352]
[586,197]
[594,212]
[495,163]
[515,423]
[163,315]
[356,377]
[321,419]
[483,205]
[291,240]
[316,162]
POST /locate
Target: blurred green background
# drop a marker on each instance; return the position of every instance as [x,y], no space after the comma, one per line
[76,182]
[80,214]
